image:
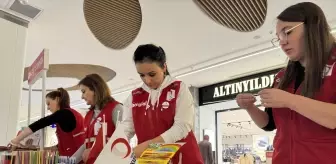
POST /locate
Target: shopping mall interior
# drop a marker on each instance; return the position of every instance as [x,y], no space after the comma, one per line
[208,50]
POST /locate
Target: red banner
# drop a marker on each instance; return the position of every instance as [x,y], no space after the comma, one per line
[37,67]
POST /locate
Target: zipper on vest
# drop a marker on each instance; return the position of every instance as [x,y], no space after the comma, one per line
[150,118]
[291,138]
[291,126]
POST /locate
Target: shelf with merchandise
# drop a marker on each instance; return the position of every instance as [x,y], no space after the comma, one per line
[24,156]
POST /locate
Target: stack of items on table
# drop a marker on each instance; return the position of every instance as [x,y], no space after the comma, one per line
[23,156]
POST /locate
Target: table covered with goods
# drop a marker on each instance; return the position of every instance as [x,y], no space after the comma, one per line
[32,156]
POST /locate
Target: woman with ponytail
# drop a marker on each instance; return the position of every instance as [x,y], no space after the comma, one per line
[69,124]
[162,109]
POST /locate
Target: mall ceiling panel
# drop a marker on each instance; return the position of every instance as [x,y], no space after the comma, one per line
[76,71]
[240,15]
[14,19]
[114,23]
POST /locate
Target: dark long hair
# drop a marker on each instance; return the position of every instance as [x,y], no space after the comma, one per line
[63,97]
[318,45]
[150,53]
[102,93]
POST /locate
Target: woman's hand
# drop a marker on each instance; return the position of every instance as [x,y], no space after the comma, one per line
[85,155]
[276,98]
[14,144]
[52,148]
[245,100]
[139,149]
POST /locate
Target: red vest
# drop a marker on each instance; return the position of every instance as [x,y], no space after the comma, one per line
[159,118]
[298,139]
[95,126]
[69,142]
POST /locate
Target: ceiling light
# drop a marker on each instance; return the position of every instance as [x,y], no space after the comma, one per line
[256,53]
[259,52]
[121,92]
[24,2]
[249,55]
[257,37]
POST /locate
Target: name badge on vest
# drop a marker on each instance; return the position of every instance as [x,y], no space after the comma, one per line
[165,105]
[97,126]
[170,95]
[328,70]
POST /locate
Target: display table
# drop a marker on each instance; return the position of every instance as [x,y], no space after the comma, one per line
[30,156]
[10,157]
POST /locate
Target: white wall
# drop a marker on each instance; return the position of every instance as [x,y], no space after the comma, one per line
[12,50]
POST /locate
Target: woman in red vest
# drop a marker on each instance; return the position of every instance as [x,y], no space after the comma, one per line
[162,110]
[97,94]
[302,104]
[69,124]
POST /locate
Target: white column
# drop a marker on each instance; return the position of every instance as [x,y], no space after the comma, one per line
[12,50]
[197,130]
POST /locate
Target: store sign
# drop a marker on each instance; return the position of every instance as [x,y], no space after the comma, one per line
[40,63]
[230,89]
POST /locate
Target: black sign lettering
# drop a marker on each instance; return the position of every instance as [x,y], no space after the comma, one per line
[229,90]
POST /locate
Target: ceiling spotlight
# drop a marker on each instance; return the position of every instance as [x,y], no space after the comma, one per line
[24,2]
[257,37]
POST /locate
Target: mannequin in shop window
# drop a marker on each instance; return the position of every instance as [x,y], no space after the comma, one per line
[302,103]
[246,158]
[69,124]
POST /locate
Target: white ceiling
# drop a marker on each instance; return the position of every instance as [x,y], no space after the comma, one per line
[190,39]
